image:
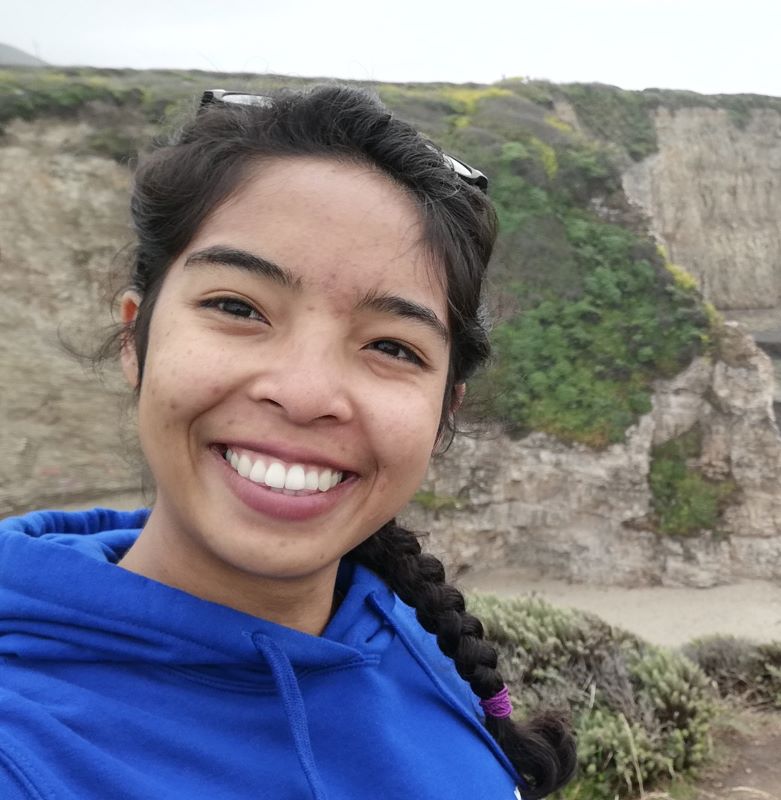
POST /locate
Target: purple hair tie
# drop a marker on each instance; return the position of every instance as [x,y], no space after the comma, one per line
[499,705]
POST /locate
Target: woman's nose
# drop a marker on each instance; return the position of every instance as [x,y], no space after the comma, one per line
[307,380]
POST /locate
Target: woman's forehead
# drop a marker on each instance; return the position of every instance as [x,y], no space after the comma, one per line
[349,195]
[337,227]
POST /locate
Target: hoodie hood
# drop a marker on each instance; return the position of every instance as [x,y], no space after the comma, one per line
[143,690]
[44,617]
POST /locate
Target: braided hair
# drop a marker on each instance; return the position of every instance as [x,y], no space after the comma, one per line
[185,179]
[541,749]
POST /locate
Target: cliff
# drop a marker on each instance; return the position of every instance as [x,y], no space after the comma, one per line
[565,510]
[712,194]
[63,222]
[574,513]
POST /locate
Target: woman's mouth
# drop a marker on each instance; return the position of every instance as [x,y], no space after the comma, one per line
[280,476]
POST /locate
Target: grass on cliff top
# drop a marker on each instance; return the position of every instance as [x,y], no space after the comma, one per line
[588,315]
[626,117]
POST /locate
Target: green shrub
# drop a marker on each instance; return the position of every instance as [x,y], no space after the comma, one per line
[432,501]
[641,713]
[615,115]
[115,144]
[46,92]
[581,368]
[740,668]
[684,501]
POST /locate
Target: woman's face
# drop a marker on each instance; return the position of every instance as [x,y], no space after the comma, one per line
[303,336]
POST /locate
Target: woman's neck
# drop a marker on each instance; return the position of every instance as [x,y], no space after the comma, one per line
[305,603]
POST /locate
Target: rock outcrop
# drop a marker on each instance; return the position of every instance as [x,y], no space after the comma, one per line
[712,193]
[569,512]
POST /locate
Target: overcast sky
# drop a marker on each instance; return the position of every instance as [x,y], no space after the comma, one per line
[710,46]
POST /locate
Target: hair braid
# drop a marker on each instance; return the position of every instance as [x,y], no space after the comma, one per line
[542,749]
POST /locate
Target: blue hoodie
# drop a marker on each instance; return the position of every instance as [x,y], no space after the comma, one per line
[114,686]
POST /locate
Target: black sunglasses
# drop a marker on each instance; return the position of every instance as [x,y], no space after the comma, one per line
[469,174]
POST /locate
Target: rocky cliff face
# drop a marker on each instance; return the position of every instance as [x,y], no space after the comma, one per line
[577,514]
[535,503]
[713,196]
[63,222]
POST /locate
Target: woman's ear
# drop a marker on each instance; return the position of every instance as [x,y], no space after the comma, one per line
[128,311]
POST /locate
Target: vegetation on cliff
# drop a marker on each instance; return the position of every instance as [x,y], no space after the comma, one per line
[685,501]
[626,117]
[588,314]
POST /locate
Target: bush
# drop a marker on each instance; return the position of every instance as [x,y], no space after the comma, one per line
[740,668]
[641,713]
[44,92]
[684,501]
[116,144]
[581,368]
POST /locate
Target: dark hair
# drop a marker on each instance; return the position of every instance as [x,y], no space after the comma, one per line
[182,182]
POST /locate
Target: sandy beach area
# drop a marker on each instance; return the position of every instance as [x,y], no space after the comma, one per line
[663,615]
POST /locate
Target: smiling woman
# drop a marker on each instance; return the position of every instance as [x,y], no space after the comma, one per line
[290,299]
[303,312]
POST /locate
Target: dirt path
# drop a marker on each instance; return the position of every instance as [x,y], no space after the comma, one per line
[747,765]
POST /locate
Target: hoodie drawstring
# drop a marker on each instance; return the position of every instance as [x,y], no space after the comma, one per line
[287,686]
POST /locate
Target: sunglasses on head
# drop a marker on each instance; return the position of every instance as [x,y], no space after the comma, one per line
[469,174]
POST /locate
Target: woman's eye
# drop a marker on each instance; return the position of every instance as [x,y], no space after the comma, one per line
[396,350]
[233,307]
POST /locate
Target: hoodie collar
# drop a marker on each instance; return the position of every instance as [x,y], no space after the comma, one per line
[63,597]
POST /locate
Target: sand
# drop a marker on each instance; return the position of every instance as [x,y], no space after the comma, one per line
[665,616]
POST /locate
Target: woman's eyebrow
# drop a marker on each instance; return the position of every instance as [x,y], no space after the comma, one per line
[401,307]
[374,301]
[242,259]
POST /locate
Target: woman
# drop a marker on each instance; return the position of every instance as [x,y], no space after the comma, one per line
[303,313]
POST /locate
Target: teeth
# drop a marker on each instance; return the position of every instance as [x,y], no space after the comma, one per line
[244,467]
[324,482]
[275,477]
[295,479]
[258,471]
[289,480]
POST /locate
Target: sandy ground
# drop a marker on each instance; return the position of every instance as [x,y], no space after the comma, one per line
[665,616]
